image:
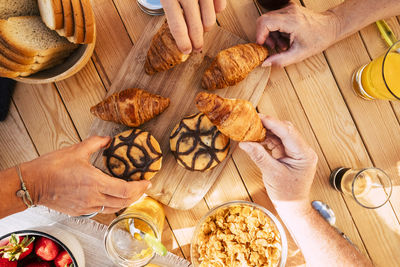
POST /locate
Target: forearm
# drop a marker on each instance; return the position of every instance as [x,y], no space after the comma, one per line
[318,241]
[354,15]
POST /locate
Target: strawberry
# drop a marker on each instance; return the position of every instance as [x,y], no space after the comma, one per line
[63,259]
[18,247]
[6,263]
[39,264]
[46,249]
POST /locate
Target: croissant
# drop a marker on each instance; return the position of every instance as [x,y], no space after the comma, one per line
[163,53]
[131,107]
[232,65]
[235,118]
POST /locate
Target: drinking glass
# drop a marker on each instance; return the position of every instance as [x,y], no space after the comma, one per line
[380,79]
[151,7]
[121,246]
[369,187]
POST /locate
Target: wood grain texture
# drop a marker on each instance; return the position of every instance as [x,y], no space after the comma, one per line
[174,185]
[16,145]
[45,117]
[113,43]
[79,93]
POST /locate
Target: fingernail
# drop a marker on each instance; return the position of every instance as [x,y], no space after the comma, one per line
[266,64]
[187,52]
[244,146]
[149,186]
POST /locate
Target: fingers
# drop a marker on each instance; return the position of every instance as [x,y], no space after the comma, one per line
[93,144]
[219,5]
[194,24]
[207,14]
[267,23]
[122,189]
[258,154]
[177,24]
[295,146]
[284,59]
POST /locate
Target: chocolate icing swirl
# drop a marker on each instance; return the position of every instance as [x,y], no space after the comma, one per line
[144,163]
[184,132]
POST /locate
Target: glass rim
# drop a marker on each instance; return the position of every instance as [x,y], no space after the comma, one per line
[278,224]
[126,216]
[383,68]
[354,180]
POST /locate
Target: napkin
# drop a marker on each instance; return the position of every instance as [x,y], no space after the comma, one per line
[89,233]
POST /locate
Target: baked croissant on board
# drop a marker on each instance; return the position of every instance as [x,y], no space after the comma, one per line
[232,65]
[163,53]
[131,107]
[235,118]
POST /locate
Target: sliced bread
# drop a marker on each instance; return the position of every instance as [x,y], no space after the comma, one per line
[88,17]
[79,25]
[5,72]
[51,12]
[9,64]
[29,36]
[68,29]
[21,59]
[15,8]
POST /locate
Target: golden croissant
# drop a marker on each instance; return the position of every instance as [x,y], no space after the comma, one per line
[235,118]
[232,65]
[163,53]
[131,107]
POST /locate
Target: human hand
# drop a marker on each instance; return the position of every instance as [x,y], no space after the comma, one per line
[296,33]
[289,172]
[64,180]
[198,16]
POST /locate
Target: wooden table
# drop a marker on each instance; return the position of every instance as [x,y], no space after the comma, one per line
[316,95]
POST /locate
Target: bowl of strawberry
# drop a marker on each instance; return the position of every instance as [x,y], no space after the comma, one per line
[34,248]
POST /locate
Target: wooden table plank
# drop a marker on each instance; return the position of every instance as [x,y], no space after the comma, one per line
[45,117]
[79,93]
[16,145]
[112,43]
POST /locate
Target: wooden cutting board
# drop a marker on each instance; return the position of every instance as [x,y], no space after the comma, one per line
[173,185]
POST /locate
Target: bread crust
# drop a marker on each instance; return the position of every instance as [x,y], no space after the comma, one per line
[68,18]
[79,25]
[88,21]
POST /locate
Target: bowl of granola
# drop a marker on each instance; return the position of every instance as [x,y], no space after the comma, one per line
[239,233]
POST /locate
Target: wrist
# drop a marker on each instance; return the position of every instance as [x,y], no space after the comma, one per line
[33,180]
[334,24]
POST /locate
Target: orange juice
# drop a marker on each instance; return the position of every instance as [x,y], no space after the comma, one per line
[369,80]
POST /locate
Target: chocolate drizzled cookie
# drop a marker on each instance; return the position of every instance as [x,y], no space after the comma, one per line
[197,144]
[133,155]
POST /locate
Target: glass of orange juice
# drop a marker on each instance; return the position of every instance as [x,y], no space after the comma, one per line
[125,249]
[369,187]
[380,79]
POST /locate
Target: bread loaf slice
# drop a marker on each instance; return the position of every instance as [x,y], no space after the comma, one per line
[15,8]
[7,73]
[29,36]
[51,12]
[11,65]
[68,29]
[21,59]
[79,26]
[88,20]
[4,72]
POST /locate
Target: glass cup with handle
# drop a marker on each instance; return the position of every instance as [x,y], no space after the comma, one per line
[369,187]
[151,7]
[380,79]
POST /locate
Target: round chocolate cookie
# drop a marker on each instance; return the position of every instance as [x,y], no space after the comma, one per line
[133,155]
[197,144]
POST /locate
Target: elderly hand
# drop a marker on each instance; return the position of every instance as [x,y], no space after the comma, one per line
[296,32]
[188,27]
[289,172]
[64,180]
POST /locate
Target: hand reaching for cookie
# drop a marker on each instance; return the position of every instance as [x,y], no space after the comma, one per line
[187,27]
[289,172]
[65,181]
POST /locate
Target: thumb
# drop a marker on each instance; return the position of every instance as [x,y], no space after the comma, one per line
[93,144]
[138,188]
[284,59]
[258,154]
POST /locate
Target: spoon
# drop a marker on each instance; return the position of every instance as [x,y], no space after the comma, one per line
[151,241]
[329,215]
